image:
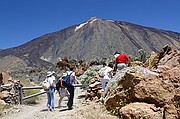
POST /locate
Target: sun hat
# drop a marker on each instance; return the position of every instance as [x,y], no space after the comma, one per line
[53,72]
[64,74]
[49,73]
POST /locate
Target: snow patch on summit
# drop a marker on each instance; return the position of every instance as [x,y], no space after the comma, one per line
[83,24]
[80,26]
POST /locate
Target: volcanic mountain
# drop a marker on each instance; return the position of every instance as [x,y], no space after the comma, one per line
[95,38]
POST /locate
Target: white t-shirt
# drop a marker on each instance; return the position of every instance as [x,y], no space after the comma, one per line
[107,71]
[51,79]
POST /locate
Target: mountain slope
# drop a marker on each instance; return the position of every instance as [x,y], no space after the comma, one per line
[92,39]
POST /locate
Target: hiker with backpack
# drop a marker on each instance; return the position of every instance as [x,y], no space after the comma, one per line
[62,90]
[69,82]
[50,92]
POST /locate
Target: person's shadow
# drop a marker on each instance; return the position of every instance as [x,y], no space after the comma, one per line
[64,109]
[43,110]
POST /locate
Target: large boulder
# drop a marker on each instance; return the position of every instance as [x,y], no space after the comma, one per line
[154,90]
[140,111]
[125,85]
[138,84]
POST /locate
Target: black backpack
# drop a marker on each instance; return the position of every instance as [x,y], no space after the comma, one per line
[66,80]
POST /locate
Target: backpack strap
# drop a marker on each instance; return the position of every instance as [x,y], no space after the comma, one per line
[70,73]
[60,81]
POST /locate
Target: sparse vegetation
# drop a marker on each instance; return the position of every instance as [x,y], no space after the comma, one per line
[121,103]
[143,56]
[32,100]
[2,107]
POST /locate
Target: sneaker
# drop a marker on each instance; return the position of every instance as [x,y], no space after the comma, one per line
[49,109]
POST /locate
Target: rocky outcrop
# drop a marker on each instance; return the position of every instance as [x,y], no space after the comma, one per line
[94,89]
[138,84]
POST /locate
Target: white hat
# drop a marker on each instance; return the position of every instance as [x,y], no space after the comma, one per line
[116,55]
[64,74]
[49,73]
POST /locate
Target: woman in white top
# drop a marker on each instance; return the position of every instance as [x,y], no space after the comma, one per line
[50,92]
[108,73]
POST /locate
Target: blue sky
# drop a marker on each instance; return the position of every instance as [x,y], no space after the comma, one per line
[23,20]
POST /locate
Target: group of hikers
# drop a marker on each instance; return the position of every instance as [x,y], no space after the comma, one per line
[121,60]
[63,89]
[106,73]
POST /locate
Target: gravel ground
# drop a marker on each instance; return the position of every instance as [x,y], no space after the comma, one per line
[81,110]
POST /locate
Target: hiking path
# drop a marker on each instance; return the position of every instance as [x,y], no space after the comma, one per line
[81,109]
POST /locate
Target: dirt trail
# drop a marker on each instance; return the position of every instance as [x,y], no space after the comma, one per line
[81,110]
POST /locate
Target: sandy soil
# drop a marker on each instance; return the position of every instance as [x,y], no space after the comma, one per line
[81,110]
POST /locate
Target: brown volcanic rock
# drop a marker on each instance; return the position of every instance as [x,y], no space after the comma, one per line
[141,111]
[171,112]
[155,91]
[162,90]
[169,56]
[5,78]
[123,88]
[4,94]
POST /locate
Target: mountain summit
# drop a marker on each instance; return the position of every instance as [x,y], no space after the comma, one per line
[92,39]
